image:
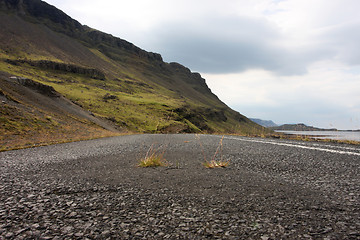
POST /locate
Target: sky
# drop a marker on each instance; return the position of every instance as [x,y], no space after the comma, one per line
[290,61]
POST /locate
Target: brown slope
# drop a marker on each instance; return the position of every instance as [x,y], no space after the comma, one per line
[25,39]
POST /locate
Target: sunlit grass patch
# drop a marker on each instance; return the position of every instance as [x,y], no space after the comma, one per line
[153,158]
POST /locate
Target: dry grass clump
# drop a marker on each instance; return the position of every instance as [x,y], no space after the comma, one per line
[216,164]
[153,158]
[213,163]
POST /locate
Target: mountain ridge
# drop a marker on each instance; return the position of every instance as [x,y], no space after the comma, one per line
[42,43]
[108,44]
[264,123]
[300,127]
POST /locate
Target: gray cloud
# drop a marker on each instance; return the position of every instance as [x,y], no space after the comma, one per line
[230,45]
[344,41]
[321,114]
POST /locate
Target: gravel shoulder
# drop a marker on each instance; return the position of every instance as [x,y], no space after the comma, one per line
[94,190]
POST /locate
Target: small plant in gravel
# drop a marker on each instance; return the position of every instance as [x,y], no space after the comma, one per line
[213,163]
[153,158]
[216,164]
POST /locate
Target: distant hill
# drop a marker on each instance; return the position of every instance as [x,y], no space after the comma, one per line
[300,127]
[264,123]
[116,81]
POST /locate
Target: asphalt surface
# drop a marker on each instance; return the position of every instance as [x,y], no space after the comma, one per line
[272,189]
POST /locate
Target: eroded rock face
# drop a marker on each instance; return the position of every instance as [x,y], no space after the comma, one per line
[189,77]
[200,116]
[91,72]
[46,64]
[97,37]
[42,88]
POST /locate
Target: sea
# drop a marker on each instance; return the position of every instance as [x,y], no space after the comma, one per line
[336,135]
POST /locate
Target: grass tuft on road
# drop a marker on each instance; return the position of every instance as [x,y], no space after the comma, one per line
[153,158]
[216,164]
[213,163]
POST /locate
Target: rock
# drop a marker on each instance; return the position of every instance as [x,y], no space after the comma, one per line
[79,234]
[9,235]
[72,214]
[108,96]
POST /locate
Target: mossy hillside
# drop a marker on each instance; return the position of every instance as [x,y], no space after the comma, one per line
[140,92]
[22,125]
[133,106]
[19,124]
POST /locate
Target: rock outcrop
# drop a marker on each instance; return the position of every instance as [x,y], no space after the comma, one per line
[46,64]
[41,88]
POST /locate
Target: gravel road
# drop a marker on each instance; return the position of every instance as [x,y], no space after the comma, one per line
[272,189]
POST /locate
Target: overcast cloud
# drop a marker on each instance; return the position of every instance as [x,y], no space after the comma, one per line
[230,44]
[285,60]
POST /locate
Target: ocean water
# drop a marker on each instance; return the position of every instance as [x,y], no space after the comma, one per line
[336,135]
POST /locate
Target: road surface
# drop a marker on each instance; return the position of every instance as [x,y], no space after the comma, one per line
[272,189]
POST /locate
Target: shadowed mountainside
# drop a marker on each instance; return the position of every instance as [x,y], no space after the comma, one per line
[110,77]
[264,123]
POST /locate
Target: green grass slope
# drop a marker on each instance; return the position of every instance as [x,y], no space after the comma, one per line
[112,78]
[32,114]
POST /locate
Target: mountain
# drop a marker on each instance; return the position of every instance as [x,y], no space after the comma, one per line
[264,123]
[300,127]
[117,82]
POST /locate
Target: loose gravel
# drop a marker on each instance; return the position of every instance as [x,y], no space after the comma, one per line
[93,190]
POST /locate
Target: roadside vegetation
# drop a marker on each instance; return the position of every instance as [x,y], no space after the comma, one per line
[216,160]
[153,158]
[216,164]
[312,139]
